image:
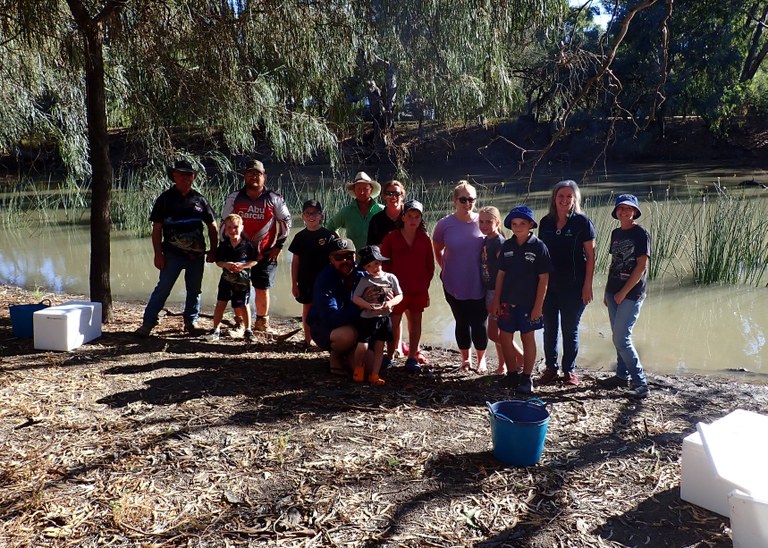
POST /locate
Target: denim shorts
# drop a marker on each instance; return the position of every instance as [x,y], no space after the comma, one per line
[514,318]
[263,274]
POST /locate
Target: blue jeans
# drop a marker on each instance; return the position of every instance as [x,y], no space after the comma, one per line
[562,310]
[623,318]
[193,279]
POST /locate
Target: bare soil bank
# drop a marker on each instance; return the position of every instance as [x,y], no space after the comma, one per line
[175,441]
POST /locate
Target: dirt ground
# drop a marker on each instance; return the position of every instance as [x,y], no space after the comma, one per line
[175,441]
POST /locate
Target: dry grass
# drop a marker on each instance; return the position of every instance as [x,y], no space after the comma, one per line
[173,441]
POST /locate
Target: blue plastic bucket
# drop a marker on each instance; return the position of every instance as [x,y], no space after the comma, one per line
[21,318]
[518,429]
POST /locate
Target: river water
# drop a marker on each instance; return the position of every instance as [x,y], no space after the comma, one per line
[682,328]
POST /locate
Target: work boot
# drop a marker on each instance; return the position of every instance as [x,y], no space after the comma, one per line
[145,330]
[262,324]
[193,328]
[548,377]
[569,377]
[638,392]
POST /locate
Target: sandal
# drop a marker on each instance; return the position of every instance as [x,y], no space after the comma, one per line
[466,367]
[358,375]
[375,379]
[421,358]
[412,366]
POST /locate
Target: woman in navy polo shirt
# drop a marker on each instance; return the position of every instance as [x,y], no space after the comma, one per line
[570,238]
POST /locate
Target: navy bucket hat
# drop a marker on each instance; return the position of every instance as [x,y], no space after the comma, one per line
[627,199]
[520,212]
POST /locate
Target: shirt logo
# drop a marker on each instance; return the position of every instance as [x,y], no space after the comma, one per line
[530,256]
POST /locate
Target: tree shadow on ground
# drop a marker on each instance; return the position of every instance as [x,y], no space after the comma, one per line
[663,519]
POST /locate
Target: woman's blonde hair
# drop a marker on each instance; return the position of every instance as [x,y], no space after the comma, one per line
[552,213]
[463,184]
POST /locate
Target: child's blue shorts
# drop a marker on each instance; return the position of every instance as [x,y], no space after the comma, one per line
[516,318]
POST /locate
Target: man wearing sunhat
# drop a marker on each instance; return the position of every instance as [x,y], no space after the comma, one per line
[355,217]
[332,315]
[178,217]
[266,223]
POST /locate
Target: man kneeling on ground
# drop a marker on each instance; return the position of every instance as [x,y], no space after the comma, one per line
[332,315]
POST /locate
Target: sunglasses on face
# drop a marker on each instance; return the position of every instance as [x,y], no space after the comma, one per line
[467,199]
[392,194]
[343,257]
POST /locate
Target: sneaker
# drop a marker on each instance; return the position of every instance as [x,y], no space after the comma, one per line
[237,331]
[386,363]
[249,336]
[145,330]
[548,377]
[613,382]
[525,386]
[569,377]
[412,366]
[261,324]
[193,328]
[638,392]
[512,379]
[214,335]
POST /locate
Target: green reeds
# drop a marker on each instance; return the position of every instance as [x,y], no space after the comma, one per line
[44,203]
[729,239]
[668,226]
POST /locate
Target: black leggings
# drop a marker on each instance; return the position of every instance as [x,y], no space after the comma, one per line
[470,316]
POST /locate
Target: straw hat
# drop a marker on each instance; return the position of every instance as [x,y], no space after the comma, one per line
[363,177]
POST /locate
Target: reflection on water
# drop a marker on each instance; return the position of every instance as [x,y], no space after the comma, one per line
[682,329]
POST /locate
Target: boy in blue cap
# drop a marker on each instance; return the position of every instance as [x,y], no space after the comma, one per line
[521,285]
[625,291]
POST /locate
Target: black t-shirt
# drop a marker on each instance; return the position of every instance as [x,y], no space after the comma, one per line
[309,246]
[566,248]
[380,226]
[243,252]
[184,219]
[626,247]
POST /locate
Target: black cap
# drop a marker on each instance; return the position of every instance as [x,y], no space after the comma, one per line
[340,244]
[369,254]
[311,203]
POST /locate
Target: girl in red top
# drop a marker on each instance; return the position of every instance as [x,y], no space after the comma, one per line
[409,249]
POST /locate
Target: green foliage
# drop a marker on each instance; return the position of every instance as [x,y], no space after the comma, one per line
[729,240]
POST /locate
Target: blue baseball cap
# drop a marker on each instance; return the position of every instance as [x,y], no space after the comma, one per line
[627,199]
[520,212]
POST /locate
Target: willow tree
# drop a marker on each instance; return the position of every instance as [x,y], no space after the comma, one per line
[247,70]
[71,67]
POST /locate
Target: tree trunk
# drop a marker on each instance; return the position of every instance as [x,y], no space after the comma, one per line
[98,142]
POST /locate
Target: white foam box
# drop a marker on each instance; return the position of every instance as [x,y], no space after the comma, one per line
[749,520]
[747,434]
[66,326]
